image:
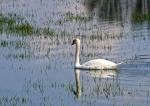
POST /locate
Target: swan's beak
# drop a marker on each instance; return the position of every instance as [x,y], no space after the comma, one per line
[74,42]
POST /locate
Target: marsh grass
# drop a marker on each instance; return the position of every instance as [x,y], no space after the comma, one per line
[139,17]
[70,16]
[14,24]
[73,17]
[48,31]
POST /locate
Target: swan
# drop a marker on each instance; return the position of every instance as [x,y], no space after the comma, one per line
[95,64]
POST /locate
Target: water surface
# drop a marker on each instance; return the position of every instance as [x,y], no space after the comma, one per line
[39,70]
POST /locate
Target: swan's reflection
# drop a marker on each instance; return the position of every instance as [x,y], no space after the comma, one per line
[104,85]
[102,73]
[78,87]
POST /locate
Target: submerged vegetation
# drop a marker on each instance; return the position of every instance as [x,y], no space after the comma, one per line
[15,100]
[13,24]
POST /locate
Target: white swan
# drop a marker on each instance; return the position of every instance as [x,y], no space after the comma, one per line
[92,64]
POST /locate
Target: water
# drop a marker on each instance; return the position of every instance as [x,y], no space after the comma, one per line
[39,70]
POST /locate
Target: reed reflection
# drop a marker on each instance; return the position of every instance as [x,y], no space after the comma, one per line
[96,83]
[120,10]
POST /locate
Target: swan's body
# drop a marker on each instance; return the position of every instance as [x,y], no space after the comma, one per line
[97,64]
[92,64]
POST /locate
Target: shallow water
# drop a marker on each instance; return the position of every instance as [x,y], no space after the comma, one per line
[39,70]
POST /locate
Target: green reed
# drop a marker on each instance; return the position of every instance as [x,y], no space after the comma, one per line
[140,17]
[17,25]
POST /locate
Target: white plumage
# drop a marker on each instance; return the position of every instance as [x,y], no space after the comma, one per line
[92,64]
[98,64]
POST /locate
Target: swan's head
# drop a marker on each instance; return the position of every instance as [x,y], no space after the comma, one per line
[76,41]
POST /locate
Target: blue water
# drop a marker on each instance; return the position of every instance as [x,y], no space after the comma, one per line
[39,70]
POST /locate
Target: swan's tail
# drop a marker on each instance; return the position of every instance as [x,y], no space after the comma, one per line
[125,61]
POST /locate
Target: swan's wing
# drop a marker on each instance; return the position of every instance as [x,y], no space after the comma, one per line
[99,64]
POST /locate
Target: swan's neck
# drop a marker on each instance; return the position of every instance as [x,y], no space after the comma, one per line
[77,60]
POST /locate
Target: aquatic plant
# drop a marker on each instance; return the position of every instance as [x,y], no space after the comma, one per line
[13,24]
[24,28]
[14,100]
[3,43]
[48,31]
[139,17]
[70,16]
